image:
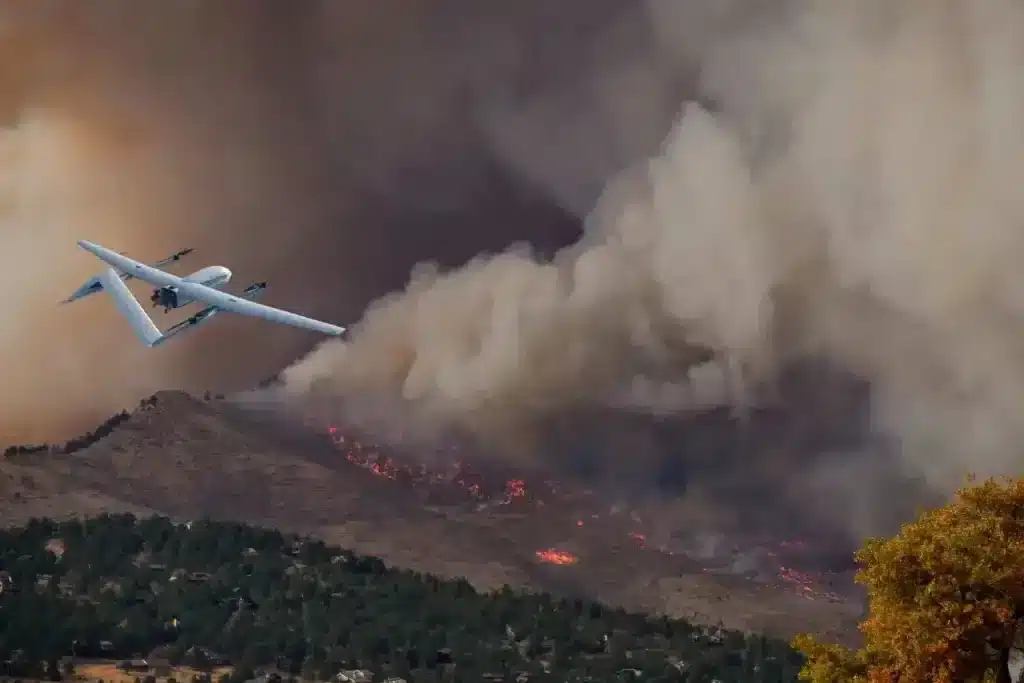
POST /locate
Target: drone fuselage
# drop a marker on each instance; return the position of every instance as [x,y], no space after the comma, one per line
[169,298]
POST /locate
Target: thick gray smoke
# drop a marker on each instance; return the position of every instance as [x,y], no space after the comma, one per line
[851,195]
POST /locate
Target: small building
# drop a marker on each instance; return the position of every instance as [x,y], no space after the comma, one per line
[354,676]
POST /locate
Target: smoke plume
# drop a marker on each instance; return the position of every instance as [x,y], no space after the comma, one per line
[840,185]
[758,183]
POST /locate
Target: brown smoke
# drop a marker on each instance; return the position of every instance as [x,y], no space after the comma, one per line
[114,137]
[852,194]
[324,146]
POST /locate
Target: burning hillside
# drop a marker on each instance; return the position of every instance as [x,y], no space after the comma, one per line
[187,458]
[784,562]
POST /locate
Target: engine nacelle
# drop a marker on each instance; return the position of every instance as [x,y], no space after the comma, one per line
[166,297]
[211,276]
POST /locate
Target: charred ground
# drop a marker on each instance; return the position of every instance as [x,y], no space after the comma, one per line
[189,458]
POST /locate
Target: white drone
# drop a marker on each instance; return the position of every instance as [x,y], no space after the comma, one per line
[172,292]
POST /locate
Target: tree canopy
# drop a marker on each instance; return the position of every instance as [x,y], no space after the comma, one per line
[122,587]
[946,596]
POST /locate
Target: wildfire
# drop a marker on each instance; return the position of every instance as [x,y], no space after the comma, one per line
[489,492]
[557,557]
[370,458]
[473,484]
[806,584]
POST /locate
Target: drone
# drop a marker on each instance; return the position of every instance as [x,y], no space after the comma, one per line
[172,292]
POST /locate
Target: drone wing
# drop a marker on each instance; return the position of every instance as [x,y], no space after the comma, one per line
[128,306]
[208,295]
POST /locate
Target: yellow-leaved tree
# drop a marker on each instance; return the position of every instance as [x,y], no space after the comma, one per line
[945,596]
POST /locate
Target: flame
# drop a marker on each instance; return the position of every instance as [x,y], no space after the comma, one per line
[557,557]
[371,458]
[492,493]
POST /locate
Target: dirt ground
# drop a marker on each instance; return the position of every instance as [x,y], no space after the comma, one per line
[109,673]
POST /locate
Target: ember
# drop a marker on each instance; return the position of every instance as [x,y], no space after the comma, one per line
[559,557]
[515,488]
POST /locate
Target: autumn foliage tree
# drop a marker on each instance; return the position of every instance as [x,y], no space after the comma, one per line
[946,596]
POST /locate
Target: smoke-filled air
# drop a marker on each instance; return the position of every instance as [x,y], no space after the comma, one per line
[656,210]
[845,187]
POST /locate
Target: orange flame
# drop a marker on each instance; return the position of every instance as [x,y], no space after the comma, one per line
[559,557]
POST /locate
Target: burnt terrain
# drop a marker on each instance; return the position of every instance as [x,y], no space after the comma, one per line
[190,458]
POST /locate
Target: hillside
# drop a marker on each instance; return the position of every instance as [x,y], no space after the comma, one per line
[187,458]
